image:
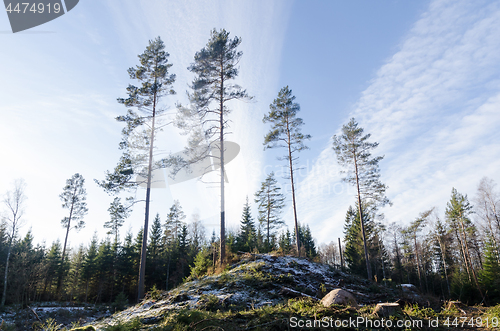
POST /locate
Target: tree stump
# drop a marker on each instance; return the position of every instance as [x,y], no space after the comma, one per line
[387,309]
[458,306]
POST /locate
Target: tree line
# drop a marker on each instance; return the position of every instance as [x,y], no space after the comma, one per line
[455,256]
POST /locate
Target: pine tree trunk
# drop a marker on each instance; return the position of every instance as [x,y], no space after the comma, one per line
[59,279]
[459,237]
[341,257]
[268,221]
[168,272]
[86,291]
[444,265]
[469,259]
[222,210]
[293,189]
[142,268]
[417,261]
[361,221]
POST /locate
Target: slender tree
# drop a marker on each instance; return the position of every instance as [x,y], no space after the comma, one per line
[74,198]
[286,133]
[457,212]
[215,66]
[441,237]
[14,202]
[173,227]
[118,213]
[174,222]
[412,232]
[140,131]
[487,203]
[353,153]
[270,202]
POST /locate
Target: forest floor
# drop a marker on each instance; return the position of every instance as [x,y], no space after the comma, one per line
[264,292]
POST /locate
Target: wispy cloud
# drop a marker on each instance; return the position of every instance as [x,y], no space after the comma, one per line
[434,109]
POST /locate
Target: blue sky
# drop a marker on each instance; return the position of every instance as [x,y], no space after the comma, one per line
[423,77]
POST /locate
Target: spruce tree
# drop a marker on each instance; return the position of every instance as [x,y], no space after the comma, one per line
[53,267]
[489,275]
[155,250]
[173,228]
[140,132]
[354,244]
[117,213]
[246,237]
[270,202]
[285,241]
[215,66]
[286,133]
[89,267]
[353,153]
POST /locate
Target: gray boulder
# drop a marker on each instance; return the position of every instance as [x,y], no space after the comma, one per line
[387,309]
[339,297]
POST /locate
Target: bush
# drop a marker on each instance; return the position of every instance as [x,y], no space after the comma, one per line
[49,325]
[120,302]
[202,262]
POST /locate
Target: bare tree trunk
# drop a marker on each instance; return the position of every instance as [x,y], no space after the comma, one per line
[417,261]
[361,221]
[341,257]
[444,265]
[268,219]
[142,268]
[222,207]
[297,238]
[4,294]
[469,259]
[60,276]
[459,237]
[168,272]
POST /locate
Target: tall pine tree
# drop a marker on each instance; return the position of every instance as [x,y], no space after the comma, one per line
[353,153]
[206,120]
[140,132]
[286,133]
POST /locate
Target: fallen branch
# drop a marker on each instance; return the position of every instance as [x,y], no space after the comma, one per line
[34,313]
[293,293]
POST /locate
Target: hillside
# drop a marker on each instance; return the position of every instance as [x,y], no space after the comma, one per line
[254,282]
[266,292]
